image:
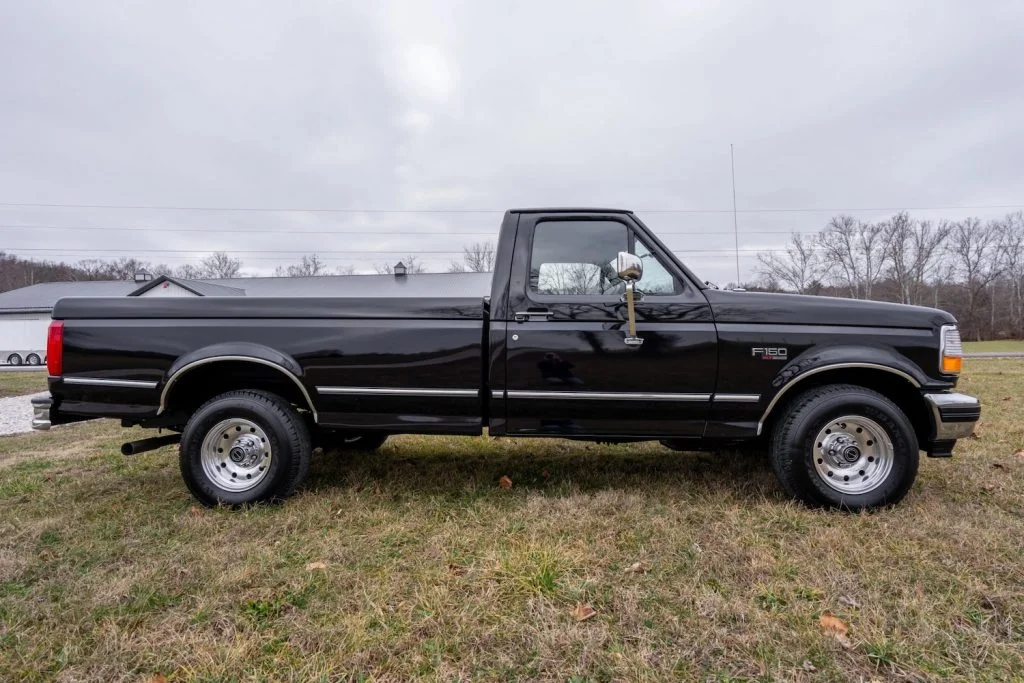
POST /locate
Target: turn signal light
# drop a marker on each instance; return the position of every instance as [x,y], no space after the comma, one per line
[951,350]
[55,348]
[952,365]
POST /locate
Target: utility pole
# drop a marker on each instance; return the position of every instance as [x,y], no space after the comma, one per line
[735,221]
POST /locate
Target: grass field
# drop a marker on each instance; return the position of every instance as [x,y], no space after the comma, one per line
[21,383]
[995,346]
[415,563]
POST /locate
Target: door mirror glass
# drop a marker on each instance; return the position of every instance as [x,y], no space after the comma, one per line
[629,266]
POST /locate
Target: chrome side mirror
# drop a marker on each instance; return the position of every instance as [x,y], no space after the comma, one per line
[631,269]
[629,266]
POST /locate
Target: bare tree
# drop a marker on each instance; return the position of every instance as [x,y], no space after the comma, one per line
[187,271]
[310,265]
[345,270]
[973,248]
[412,266]
[913,250]
[476,258]
[220,266]
[854,253]
[126,267]
[1012,246]
[798,268]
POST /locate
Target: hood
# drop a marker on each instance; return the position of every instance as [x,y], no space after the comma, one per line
[798,309]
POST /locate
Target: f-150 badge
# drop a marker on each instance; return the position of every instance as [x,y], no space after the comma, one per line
[770,352]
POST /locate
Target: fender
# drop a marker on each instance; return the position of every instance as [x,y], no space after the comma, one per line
[816,360]
[235,351]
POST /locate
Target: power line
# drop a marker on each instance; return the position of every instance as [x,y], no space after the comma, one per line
[342,252]
[368,233]
[146,207]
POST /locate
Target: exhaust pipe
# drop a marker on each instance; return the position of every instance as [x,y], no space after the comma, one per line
[151,444]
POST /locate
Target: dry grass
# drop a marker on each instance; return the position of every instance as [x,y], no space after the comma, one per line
[108,570]
[19,383]
[1000,346]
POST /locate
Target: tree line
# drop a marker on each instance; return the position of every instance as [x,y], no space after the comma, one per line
[16,272]
[972,268]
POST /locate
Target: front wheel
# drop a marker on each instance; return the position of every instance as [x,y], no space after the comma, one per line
[14,359]
[845,446]
[244,447]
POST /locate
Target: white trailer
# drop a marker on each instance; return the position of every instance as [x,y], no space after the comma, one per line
[23,338]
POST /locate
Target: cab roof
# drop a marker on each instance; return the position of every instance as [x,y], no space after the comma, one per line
[564,209]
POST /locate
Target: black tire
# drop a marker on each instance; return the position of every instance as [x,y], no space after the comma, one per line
[796,457]
[365,442]
[34,359]
[14,359]
[285,433]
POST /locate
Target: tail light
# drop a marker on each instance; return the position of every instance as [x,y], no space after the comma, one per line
[951,350]
[55,348]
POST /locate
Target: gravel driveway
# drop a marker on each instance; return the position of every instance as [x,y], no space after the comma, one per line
[16,413]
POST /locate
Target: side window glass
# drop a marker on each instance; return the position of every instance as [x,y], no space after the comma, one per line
[577,258]
[657,279]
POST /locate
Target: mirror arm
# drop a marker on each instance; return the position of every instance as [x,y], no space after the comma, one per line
[631,338]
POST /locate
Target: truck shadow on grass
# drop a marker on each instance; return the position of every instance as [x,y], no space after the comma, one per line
[553,468]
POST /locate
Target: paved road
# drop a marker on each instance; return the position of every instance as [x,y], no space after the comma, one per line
[22,368]
[995,354]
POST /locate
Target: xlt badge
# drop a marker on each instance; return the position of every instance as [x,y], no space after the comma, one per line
[770,352]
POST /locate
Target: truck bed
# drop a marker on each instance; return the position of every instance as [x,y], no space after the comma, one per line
[120,352]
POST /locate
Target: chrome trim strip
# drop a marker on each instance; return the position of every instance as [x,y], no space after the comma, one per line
[249,359]
[608,395]
[736,398]
[381,391]
[97,382]
[826,368]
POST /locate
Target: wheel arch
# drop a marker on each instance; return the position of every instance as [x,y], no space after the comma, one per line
[224,367]
[898,385]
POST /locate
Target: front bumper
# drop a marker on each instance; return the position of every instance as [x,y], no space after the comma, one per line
[41,412]
[953,415]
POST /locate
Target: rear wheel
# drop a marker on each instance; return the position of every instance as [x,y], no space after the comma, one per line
[34,359]
[244,447]
[14,359]
[845,446]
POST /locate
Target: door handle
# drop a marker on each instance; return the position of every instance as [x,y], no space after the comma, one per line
[525,316]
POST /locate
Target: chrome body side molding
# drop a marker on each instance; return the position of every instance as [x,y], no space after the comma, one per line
[399,391]
[100,382]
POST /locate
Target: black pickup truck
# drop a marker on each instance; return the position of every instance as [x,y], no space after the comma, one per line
[590,329]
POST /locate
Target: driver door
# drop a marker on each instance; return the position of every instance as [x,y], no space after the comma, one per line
[568,369]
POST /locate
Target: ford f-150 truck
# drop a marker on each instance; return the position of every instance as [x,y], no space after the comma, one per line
[590,329]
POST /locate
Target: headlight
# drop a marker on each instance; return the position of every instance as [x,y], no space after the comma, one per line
[951,350]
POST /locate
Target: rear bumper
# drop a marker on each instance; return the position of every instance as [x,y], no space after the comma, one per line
[953,415]
[41,412]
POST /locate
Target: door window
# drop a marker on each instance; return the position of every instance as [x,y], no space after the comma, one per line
[577,258]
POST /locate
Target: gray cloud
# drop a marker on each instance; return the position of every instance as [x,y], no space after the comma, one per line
[491,105]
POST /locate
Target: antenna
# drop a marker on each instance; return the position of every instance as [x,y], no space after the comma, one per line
[735,221]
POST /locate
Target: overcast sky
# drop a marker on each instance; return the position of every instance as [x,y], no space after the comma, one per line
[489,105]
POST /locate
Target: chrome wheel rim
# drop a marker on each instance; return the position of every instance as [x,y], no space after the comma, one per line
[853,454]
[236,454]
